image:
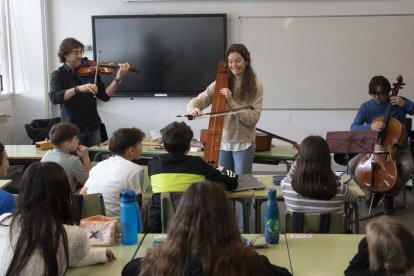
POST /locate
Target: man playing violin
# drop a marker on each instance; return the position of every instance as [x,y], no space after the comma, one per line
[379,89]
[77,94]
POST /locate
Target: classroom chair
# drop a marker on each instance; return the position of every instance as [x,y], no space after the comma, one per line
[297,222]
[169,202]
[408,128]
[89,205]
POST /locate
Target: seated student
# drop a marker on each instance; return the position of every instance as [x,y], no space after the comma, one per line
[388,249]
[176,171]
[111,176]
[311,185]
[7,202]
[68,153]
[41,237]
[203,240]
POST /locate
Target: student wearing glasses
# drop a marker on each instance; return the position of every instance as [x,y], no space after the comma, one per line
[379,89]
[77,94]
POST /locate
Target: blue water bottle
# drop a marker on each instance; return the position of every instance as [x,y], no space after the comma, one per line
[271,218]
[129,217]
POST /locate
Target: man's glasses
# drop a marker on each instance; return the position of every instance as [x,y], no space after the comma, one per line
[374,95]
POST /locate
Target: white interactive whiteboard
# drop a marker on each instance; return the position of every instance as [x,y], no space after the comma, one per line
[327,62]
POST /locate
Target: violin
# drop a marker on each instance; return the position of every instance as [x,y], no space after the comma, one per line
[379,172]
[88,68]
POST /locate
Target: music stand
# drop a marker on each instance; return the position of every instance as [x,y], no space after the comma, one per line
[351,142]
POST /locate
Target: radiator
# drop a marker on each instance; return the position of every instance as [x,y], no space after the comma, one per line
[4,129]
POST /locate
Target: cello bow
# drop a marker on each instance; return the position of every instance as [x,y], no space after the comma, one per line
[215,124]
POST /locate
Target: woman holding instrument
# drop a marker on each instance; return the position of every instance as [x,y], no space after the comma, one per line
[77,94]
[237,147]
[379,89]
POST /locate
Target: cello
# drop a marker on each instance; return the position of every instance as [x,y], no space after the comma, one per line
[379,171]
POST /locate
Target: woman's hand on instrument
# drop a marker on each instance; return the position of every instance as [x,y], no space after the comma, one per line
[196,112]
[395,100]
[88,88]
[377,126]
[123,70]
[226,93]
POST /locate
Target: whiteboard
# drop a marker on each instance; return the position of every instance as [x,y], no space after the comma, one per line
[327,62]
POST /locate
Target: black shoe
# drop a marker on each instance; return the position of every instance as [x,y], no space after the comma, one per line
[377,198]
[388,205]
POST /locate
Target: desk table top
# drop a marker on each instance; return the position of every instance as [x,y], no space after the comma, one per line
[24,152]
[123,254]
[278,152]
[4,183]
[267,180]
[277,254]
[321,254]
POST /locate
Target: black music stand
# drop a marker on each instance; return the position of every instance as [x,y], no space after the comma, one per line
[351,142]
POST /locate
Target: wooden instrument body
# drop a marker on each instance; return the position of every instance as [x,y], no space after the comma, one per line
[380,172]
[215,125]
[44,145]
[263,141]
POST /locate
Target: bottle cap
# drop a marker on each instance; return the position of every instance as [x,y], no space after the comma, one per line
[271,192]
[127,195]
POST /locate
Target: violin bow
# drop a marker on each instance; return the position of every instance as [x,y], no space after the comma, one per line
[97,69]
[97,66]
[220,113]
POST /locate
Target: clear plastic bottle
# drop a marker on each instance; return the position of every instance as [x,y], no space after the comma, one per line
[271,218]
[129,217]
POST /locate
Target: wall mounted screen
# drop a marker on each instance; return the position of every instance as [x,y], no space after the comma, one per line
[177,54]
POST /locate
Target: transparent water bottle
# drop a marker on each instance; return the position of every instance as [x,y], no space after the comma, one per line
[129,217]
[271,220]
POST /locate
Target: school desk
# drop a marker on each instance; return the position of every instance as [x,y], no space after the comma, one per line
[23,154]
[4,183]
[277,154]
[123,254]
[240,197]
[277,253]
[260,196]
[321,254]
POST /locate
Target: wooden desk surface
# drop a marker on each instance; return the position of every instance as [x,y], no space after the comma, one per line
[321,254]
[123,254]
[4,183]
[277,254]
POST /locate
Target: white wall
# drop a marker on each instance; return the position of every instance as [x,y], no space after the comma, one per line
[29,66]
[73,18]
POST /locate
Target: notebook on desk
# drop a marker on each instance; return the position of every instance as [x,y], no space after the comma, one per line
[249,182]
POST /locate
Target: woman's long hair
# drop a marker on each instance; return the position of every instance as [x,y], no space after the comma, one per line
[314,177]
[203,234]
[390,247]
[248,87]
[43,206]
